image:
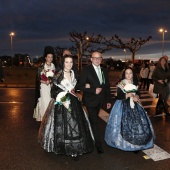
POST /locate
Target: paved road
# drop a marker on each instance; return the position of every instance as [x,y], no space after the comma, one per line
[19,149]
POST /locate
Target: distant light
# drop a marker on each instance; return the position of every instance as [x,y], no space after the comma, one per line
[12,34]
[162,30]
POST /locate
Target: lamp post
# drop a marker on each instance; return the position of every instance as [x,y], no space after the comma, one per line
[163,35]
[12,34]
[80,52]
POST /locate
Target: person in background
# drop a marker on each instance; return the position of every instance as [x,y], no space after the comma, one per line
[144,75]
[151,69]
[128,127]
[65,128]
[161,77]
[95,94]
[44,75]
[2,75]
[168,93]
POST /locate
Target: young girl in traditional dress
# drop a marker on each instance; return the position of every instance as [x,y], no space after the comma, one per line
[128,127]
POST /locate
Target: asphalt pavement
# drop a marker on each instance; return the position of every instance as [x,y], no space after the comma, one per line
[19,149]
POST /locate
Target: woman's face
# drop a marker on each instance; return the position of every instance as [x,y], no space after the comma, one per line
[49,58]
[128,74]
[163,62]
[68,63]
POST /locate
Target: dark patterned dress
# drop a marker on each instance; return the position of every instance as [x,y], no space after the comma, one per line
[66,131]
[128,128]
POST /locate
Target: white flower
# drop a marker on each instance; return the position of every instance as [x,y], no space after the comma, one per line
[66,104]
[129,87]
[49,74]
[60,95]
[63,99]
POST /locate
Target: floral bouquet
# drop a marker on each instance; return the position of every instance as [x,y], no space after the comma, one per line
[47,75]
[63,98]
[130,88]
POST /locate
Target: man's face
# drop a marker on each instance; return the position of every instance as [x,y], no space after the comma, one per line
[96,58]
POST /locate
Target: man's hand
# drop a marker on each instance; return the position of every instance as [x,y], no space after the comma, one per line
[108,105]
[87,85]
[98,90]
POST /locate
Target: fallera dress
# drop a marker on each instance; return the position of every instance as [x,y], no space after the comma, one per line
[45,92]
[65,129]
[128,127]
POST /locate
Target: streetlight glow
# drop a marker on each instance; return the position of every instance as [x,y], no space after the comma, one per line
[125,53]
[163,31]
[12,34]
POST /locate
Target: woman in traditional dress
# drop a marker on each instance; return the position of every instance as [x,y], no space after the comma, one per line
[45,73]
[128,127]
[65,128]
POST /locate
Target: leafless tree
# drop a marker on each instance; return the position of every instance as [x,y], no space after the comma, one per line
[86,44]
[132,45]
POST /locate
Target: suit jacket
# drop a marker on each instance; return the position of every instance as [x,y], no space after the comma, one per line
[89,76]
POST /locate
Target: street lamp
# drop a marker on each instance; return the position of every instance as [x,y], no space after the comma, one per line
[163,32]
[80,52]
[12,34]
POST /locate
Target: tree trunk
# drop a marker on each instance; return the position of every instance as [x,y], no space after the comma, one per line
[133,56]
[80,56]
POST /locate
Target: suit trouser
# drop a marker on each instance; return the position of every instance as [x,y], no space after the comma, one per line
[93,118]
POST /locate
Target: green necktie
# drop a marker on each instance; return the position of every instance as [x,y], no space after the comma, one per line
[99,75]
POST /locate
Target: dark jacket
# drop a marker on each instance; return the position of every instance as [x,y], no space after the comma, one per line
[160,74]
[89,76]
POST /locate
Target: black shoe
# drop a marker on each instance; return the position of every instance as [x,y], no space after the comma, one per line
[75,158]
[136,152]
[167,114]
[100,150]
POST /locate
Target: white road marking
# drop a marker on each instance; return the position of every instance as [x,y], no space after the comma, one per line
[156,153]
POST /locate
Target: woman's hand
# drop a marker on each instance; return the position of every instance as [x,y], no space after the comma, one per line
[87,85]
[161,81]
[129,95]
[136,98]
[46,82]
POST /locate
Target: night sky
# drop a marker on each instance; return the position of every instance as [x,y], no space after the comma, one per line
[38,23]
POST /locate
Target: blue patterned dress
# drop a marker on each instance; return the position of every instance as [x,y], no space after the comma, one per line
[128,128]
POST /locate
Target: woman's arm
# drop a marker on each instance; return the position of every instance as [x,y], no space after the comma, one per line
[120,94]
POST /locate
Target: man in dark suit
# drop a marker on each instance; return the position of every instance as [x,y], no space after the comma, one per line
[93,81]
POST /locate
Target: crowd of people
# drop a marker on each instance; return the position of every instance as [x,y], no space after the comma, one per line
[67,128]
[2,75]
